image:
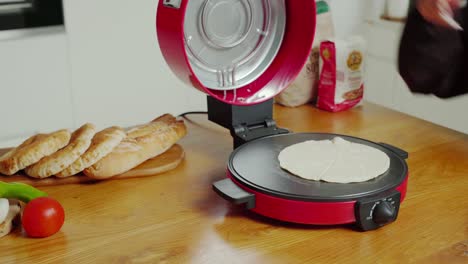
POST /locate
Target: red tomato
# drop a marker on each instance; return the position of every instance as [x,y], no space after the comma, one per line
[43,217]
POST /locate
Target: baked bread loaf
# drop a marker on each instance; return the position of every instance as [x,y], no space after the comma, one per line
[167,161]
[131,152]
[102,144]
[153,126]
[57,162]
[32,150]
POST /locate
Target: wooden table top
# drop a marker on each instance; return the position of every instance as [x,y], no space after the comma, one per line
[177,218]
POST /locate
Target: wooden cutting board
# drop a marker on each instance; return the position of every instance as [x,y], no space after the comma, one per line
[162,163]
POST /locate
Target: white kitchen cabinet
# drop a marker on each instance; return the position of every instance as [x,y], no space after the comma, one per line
[449,112]
[347,16]
[382,38]
[386,87]
[118,72]
[379,83]
[35,87]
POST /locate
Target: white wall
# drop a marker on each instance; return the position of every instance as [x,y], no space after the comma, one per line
[118,73]
[105,67]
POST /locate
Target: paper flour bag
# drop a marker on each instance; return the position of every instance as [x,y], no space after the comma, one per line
[342,65]
[304,87]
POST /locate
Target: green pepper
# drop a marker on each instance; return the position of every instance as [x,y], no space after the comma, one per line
[19,191]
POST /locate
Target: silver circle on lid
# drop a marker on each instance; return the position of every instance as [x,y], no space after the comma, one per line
[235,27]
[230,43]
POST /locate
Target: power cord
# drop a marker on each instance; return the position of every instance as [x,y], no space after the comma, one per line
[185,116]
[193,113]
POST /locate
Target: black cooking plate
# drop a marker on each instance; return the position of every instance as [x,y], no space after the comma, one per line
[256,165]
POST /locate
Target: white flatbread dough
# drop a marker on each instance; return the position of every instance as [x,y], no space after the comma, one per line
[335,160]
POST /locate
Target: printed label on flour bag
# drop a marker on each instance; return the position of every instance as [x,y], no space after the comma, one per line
[341,83]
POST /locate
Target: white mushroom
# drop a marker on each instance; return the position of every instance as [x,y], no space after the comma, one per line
[4,207]
[13,212]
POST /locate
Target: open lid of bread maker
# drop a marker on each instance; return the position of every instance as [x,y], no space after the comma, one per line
[241,52]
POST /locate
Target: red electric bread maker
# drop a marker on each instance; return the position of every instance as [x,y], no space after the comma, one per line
[242,53]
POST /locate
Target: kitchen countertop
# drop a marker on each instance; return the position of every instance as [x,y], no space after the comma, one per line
[177,218]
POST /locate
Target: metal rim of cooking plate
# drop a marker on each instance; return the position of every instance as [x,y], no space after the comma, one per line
[256,166]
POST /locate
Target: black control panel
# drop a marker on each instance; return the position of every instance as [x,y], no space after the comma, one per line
[372,213]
